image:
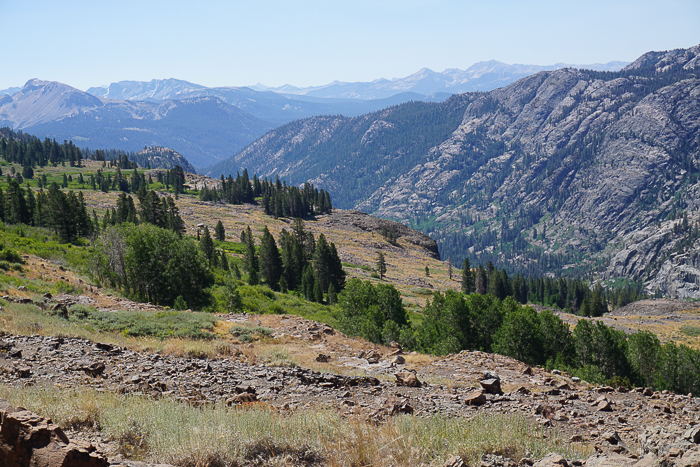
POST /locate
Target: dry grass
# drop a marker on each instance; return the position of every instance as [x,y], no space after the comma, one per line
[166,431]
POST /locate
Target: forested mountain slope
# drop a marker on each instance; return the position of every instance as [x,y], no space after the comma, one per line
[554,172]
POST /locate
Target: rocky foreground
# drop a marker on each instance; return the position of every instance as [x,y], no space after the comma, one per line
[640,427]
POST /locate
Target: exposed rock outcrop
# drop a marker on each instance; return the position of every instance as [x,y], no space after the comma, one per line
[561,169]
[27,439]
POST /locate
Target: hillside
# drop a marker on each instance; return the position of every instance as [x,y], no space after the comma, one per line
[115,394]
[559,172]
[276,370]
[204,129]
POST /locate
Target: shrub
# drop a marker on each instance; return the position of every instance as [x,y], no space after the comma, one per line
[160,325]
[249,333]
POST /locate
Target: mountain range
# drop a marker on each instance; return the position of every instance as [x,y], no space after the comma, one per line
[204,129]
[207,125]
[482,76]
[562,171]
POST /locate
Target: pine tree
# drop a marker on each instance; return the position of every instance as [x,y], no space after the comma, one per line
[250,259]
[206,244]
[220,232]
[332,295]
[307,282]
[269,260]
[381,265]
[481,286]
[318,292]
[321,261]
[468,283]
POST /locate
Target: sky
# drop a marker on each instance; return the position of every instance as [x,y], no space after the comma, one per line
[310,43]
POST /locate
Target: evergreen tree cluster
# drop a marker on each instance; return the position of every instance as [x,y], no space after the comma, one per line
[30,151]
[278,198]
[121,161]
[572,295]
[120,181]
[598,353]
[65,213]
[161,212]
[301,263]
[453,321]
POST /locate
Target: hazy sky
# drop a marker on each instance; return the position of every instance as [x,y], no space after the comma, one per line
[307,42]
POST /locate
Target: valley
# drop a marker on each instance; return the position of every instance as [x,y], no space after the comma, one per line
[312,311]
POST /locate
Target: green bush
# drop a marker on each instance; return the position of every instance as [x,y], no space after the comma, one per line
[80,311]
[160,325]
[10,256]
[158,264]
[247,334]
[375,313]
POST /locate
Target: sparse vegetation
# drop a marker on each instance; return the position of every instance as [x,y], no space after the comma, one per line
[249,333]
[167,431]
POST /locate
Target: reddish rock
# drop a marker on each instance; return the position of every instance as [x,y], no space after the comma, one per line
[26,439]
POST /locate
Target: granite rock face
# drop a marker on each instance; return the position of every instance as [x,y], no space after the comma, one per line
[577,165]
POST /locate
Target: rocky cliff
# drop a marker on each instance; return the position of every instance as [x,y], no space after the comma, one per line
[559,171]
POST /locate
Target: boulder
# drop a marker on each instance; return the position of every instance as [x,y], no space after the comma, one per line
[406,378]
[402,406]
[604,406]
[693,435]
[491,385]
[610,460]
[27,439]
[491,460]
[91,368]
[689,459]
[475,398]
[373,357]
[398,360]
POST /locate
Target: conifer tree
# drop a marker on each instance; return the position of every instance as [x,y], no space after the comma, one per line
[381,265]
[250,259]
[481,281]
[269,260]
[220,232]
[468,283]
[206,244]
